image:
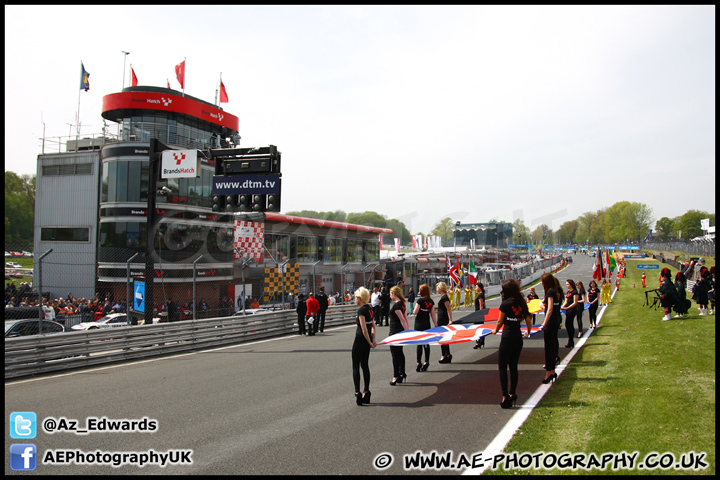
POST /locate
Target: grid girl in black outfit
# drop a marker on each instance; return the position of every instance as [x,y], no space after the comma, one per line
[424,310]
[398,323]
[513,310]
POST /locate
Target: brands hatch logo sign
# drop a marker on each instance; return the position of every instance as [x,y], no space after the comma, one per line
[163,100]
[180,164]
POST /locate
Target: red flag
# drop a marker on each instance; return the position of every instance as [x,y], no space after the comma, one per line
[134,78]
[598,267]
[223,93]
[180,72]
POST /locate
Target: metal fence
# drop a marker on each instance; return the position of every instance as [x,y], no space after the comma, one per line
[40,354]
[702,249]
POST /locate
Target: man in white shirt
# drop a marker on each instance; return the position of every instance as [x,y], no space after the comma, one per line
[375,303]
[49,311]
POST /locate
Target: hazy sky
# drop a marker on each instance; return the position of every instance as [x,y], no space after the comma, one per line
[541,113]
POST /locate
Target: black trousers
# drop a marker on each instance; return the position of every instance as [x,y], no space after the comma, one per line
[592,313]
[398,360]
[570,325]
[550,338]
[580,311]
[360,358]
[508,357]
[319,321]
[301,323]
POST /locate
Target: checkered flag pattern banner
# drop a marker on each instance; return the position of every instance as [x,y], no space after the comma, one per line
[248,240]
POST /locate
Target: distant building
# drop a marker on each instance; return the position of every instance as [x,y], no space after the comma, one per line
[489,235]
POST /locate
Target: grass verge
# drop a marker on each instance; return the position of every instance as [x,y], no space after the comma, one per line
[638,385]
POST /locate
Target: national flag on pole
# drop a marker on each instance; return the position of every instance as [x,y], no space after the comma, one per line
[453,274]
[472,273]
[180,72]
[223,93]
[134,78]
[397,244]
[598,267]
[647,236]
[611,263]
[84,78]
[381,245]
[414,238]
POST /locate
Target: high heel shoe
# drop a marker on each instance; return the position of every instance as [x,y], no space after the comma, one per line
[449,358]
[513,397]
[425,366]
[404,376]
[580,335]
[570,345]
[443,359]
[358,398]
[549,379]
[366,397]
[418,368]
[506,402]
[394,381]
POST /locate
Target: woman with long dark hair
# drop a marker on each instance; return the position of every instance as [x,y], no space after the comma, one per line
[551,324]
[593,297]
[570,306]
[513,310]
[424,310]
[444,317]
[580,309]
[479,305]
[398,323]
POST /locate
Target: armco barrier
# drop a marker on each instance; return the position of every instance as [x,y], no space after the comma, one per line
[41,354]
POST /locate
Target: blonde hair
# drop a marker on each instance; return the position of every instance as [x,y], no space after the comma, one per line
[363,294]
[441,287]
[398,293]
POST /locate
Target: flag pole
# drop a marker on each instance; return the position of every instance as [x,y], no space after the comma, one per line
[124,61]
[77,118]
[217,86]
[184,65]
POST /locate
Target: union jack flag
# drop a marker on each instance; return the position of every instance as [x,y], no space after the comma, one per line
[446,335]
[453,273]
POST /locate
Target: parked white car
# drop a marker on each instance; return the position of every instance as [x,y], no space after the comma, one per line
[112,320]
[13,265]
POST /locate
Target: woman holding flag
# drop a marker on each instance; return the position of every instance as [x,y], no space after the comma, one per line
[444,317]
[424,310]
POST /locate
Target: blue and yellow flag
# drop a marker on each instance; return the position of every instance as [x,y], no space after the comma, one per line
[84,78]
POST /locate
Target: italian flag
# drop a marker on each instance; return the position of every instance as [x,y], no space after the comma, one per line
[472,273]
